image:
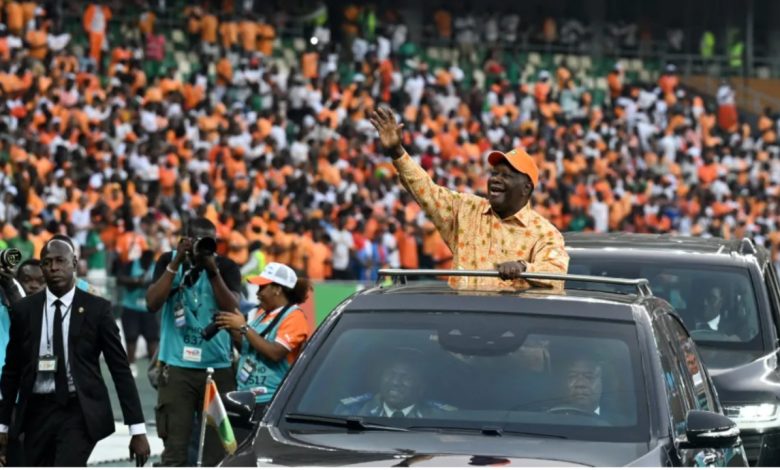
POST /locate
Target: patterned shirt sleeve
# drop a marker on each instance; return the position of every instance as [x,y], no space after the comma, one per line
[549,256]
[440,204]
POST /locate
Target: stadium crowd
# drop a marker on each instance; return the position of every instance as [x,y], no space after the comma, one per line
[107,144]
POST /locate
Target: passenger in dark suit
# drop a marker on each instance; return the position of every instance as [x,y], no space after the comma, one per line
[52,365]
[402,386]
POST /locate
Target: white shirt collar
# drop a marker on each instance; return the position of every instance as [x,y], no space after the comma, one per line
[714,323]
[66,299]
[389,411]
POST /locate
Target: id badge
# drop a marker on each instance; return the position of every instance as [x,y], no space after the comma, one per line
[246,371]
[178,316]
[191,354]
[47,363]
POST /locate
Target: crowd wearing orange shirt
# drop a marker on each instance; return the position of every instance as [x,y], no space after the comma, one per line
[280,156]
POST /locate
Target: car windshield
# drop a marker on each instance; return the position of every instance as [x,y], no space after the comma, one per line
[481,373]
[717,304]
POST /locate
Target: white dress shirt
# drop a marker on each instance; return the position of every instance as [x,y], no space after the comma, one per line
[44,384]
[390,411]
[714,323]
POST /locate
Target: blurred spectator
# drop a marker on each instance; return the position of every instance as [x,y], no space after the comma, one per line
[95,21]
[137,321]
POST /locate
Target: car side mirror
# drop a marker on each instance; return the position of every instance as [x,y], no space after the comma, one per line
[240,404]
[705,429]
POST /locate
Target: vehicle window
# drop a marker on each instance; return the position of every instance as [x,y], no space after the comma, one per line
[521,373]
[679,402]
[718,304]
[690,367]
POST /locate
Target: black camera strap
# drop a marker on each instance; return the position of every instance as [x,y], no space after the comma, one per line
[272,324]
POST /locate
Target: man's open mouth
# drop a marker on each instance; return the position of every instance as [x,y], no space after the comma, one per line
[495,190]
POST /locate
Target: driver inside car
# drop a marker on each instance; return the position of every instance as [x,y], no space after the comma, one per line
[713,315]
[402,388]
[709,315]
[583,383]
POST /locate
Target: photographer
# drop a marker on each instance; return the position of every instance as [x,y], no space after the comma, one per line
[10,292]
[270,343]
[29,280]
[191,284]
[30,276]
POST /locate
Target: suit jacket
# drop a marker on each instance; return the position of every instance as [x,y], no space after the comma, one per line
[370,404]
[93,332]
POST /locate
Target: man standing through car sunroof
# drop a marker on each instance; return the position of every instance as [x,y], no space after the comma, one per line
[501,232]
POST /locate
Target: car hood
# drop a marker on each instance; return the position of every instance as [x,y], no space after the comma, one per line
[755,382]
[381,448]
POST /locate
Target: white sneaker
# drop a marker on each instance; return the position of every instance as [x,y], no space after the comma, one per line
[134,370]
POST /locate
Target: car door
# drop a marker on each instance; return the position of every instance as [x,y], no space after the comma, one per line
[698,394]
[677,400]
[773,293]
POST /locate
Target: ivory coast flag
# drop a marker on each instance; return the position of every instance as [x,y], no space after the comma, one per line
[217,416]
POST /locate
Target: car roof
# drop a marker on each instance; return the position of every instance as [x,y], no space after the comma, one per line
[666,245]
[429,296]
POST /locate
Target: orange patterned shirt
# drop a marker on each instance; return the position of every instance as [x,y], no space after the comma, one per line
[479,238]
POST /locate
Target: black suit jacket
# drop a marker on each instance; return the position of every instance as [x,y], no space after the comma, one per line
[92,331]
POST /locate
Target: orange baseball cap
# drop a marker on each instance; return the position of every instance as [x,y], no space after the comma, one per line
[519,160]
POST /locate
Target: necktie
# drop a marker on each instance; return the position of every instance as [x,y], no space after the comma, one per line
[61,377]
[398,414]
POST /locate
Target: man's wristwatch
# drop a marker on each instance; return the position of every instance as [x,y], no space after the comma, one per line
[244,329]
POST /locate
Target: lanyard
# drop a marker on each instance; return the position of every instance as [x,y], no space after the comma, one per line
[270,325]
[46,315]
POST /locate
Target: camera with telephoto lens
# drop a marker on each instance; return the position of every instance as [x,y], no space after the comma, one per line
[10,258]
[211,329]
[205,246]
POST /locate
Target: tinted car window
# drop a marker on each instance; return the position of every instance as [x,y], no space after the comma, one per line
[574,378]
[679,402]
[690,367]
[717,304]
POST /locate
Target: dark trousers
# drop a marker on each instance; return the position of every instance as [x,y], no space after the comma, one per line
[180,397]
[15,454]
[55,435]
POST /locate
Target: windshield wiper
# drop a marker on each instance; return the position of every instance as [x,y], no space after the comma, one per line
[536,434]
[351,422]
[485,431]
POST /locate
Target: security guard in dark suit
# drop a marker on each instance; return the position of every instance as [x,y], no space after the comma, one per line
[57,337]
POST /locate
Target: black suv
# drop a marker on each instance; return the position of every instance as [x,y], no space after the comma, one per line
[727,294]
[419,373]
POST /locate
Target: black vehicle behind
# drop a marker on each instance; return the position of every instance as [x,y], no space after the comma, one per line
[726,292]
